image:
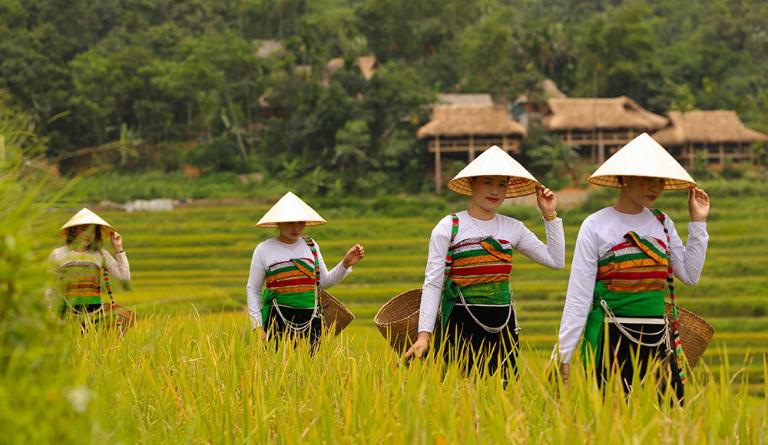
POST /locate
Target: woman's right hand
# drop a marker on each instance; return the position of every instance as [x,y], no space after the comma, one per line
[419,348]
[261,333]
[698,204]
[564,371]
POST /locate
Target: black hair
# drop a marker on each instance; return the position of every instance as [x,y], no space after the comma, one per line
[96,242]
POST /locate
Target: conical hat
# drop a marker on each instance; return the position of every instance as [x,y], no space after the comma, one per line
[643,156]
[496,162]
[85,216]
[290,208]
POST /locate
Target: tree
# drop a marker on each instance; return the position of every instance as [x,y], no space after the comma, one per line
[618,54]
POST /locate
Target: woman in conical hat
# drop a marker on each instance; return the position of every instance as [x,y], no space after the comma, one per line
[83,266]
[290,268]
[622,261]
[467,278]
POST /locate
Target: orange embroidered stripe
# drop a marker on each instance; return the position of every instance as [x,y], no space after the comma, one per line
[480,280]
[304,270]
[647,262]
[497,253]
[285,275]
[634,287]
[647,249]
[489,259]
[83,293]
[293,289]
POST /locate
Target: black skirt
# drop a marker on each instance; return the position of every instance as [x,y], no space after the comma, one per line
[621,351]
[468,343]
[281,331]
[79,309]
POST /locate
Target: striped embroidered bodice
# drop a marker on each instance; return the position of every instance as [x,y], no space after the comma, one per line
[481,268]
[639,264]
[292,283]
[81,282]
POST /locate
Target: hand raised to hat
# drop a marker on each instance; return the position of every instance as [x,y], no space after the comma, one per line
[545,199]
[354,254]
[698,204]
[117,242]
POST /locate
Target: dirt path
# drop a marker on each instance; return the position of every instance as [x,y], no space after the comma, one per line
[566,198]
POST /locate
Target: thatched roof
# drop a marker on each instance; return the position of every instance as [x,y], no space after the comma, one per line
[546,89]
[367,64]
[711,126]
[465,100]
[604,113]
[470,120]
[550,89]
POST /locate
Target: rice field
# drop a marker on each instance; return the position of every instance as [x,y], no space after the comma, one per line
[190,372]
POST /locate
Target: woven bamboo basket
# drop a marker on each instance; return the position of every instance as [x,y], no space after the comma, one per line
[336,315]
[398,319]
[695,333]
[112,317]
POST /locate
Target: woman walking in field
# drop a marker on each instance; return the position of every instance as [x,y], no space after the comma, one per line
[467,278]
[625,256]
[81,263]
[291,269]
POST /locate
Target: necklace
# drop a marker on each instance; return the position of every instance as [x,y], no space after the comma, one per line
[495,231]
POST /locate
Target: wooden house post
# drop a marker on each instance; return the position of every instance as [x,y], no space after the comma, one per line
[600,147]
[691,157]
[438,166]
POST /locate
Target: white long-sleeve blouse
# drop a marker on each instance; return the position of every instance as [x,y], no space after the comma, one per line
[605,229]
[551,254]
[273,251]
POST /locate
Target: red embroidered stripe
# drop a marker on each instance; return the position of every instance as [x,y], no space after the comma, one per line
[294,282]
[633,275]
[482,270]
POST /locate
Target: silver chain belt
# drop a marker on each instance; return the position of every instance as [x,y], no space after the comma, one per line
[630,333]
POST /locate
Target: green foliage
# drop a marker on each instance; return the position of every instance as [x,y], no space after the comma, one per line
[21,276]
[158,184]
[700,166]
[551,161]
[174,73]
[218,155]
[731,171]
[35,374]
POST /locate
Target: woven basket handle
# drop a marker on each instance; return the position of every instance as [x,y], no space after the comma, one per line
[313,248]
[108,286]
[676,341]
[449,254]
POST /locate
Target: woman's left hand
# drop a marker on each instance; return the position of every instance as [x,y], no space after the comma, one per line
[117,242]
[355,254]
[698,204]
[545,198]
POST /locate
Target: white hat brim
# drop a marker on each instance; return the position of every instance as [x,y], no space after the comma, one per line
[643,157]
[290,208]
[84,217]
[496,162]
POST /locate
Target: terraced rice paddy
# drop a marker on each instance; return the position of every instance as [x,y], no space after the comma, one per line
[191,371]
[197,259]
